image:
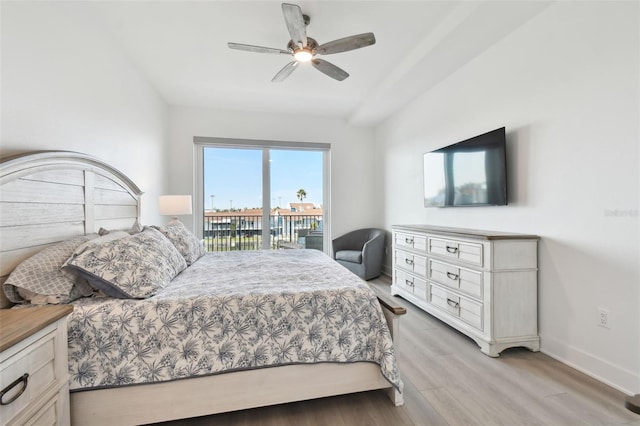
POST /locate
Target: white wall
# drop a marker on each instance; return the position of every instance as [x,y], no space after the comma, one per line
[352,164]
[67,86]
[566,87]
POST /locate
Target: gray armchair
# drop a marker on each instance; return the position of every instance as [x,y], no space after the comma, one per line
[361,252]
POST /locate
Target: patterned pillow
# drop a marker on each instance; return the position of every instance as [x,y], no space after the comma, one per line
[133,267]
[41,275]
[187,244]
[114,235]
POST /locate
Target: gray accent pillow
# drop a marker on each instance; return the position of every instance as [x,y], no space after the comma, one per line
[187,244]
[134,267]
[41,274]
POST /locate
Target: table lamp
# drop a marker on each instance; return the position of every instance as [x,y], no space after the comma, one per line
[174,206]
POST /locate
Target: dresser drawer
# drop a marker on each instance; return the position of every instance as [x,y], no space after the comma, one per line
[463,279]
[417,242]
[411,283]
[459,250]
[458,306]
[411,262]
[37,361]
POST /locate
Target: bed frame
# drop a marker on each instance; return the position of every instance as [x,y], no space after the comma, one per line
[50,196]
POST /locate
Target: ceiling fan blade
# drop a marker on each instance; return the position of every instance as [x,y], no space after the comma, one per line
[258,49]
[295,23]
[346,44]
[285,72]
[329,69]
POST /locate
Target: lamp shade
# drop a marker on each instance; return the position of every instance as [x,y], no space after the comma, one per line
[174,205]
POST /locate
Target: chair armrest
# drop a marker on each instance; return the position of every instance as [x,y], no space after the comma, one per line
[373,253]
[373,246]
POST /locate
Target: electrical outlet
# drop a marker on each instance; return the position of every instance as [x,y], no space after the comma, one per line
[603,318]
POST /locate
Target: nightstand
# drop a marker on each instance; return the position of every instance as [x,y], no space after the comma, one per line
[34,372]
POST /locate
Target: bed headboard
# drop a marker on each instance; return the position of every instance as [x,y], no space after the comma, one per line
[50,196]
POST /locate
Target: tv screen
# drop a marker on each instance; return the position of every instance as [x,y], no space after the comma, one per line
[469,173]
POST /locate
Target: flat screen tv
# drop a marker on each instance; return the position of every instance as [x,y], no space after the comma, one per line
[469,173]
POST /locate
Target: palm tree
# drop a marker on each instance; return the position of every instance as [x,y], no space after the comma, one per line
[301,194]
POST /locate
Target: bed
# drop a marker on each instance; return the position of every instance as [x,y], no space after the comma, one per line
[265,346]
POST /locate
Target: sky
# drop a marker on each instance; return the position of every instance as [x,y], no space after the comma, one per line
[234,177]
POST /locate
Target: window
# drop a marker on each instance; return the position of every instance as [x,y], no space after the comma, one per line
[254,195]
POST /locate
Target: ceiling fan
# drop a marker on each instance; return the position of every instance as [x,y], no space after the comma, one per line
[305,49]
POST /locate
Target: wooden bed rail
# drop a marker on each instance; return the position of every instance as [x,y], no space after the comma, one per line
[388,303]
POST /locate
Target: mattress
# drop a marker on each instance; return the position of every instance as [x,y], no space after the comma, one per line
[231,311]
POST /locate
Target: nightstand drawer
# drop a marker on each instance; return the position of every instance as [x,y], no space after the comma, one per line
[47,415]
[460,307]
[465,280]
[463,251]
[411,262]
[417,242]
[33,371]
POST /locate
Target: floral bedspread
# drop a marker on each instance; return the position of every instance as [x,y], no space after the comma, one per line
[231,311]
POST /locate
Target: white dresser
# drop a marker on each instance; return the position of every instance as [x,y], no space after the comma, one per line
[34,372]
[482,283]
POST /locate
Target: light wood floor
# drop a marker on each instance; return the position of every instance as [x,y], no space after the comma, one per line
[448,381]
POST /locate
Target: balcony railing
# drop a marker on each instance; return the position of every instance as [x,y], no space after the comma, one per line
[226,232]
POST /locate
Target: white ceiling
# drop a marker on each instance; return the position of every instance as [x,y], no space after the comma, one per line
[181,48]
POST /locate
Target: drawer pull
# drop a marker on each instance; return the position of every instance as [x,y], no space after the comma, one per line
[452,276]
[409,283]
[408,261]
[6,390]
[452,303]
[452,250]
[408,240]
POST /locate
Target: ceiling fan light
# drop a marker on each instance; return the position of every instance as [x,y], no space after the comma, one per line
[303,55]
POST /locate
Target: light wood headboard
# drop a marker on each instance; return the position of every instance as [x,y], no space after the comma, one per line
[50,196]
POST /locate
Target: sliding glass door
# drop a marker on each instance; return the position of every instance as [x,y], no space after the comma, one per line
[297,198]
[261,194]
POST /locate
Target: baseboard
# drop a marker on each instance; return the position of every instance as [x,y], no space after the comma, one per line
[610,374]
